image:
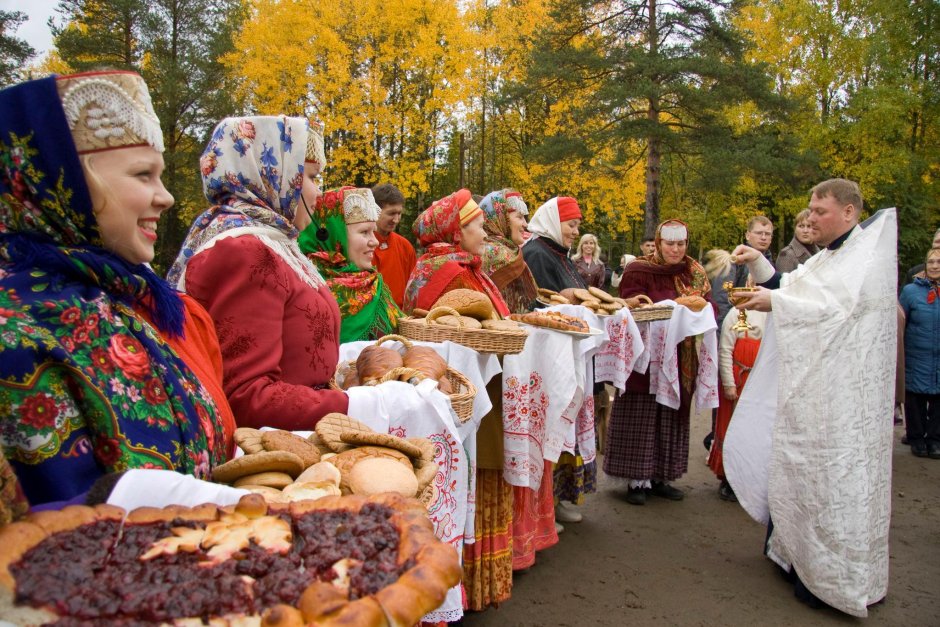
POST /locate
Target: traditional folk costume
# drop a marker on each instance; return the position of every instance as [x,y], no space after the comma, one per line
[545,254]
[365,303]
[502,258]
[445,266]
[809,446]
[90,382]
[277,320]
[737,351]
[487,562]
[547,258]
[395,259]
[533,514]
[647,442]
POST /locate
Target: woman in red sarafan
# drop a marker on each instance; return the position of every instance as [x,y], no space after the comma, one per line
[451,230]
[277,321]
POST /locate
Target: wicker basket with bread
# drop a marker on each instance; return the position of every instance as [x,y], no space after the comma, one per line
[467,318]
[377,364]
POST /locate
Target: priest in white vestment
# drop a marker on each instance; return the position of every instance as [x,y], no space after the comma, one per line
[809,445]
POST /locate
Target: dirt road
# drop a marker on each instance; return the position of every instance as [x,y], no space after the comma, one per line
[699,561]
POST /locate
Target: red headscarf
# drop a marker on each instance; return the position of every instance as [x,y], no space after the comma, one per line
[444,263]
[568,209]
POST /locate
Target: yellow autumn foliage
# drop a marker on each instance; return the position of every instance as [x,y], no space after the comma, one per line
[383,76]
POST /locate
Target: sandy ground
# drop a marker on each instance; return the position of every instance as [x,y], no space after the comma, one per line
[700,562]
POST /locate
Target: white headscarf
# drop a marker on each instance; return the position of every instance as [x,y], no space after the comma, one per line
[545,222]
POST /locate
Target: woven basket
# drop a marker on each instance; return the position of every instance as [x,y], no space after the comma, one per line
[648,314]
[480,340]
[464,390]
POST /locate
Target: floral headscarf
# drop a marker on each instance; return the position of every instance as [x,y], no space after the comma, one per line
[693,281]
[502,258]
[87,386]
[252,173]
[438,229]
[366,306]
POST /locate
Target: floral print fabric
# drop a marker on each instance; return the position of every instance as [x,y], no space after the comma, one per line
[252,172]
[502,258]
[366,306]
[87,386]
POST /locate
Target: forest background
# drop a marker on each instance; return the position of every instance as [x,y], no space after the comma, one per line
[710,111]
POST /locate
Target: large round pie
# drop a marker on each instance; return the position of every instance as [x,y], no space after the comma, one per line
[347,560]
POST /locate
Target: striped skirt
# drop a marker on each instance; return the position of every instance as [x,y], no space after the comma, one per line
[487,563]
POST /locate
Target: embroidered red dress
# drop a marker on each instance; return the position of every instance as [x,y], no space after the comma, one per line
[279,336]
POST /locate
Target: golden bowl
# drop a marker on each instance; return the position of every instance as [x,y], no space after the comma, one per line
[735,294]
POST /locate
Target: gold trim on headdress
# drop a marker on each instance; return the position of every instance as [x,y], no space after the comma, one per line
[469,211]
[359,206]
[316,151]
[108,110]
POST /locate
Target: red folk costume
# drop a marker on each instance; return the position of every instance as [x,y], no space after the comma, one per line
[277,320]
[394,258]
[445,266]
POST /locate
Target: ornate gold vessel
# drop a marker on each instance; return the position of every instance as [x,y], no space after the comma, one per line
[734,296]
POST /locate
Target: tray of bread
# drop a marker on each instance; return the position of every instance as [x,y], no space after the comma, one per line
[597,300]
[338,560]
[342,456]
[465,317]
[557,321]
[377,364]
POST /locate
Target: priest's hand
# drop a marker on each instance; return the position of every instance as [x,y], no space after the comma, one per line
[730,392]
[744,254]
[754,301]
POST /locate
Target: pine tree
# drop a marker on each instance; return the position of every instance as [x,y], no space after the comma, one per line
[14,52]
[652,81]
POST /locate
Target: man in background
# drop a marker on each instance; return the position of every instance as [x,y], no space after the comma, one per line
[395,256]
[759,235]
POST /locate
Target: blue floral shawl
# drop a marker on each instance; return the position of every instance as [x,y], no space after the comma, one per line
[87,386]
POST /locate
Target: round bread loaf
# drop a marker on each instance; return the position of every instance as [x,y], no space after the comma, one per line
[276,480]
[452,321]
[374,361]
[569,293]
[501,325]
[310,490]
[601,294]
[468,303]
[375,475]
[582,294]
[695,303]
[293,443]
[426,360]
[320,472]
[265,461]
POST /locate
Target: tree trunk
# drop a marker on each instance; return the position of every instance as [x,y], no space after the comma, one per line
[654,150]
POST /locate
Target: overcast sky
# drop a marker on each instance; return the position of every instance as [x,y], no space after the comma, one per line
[34,30]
